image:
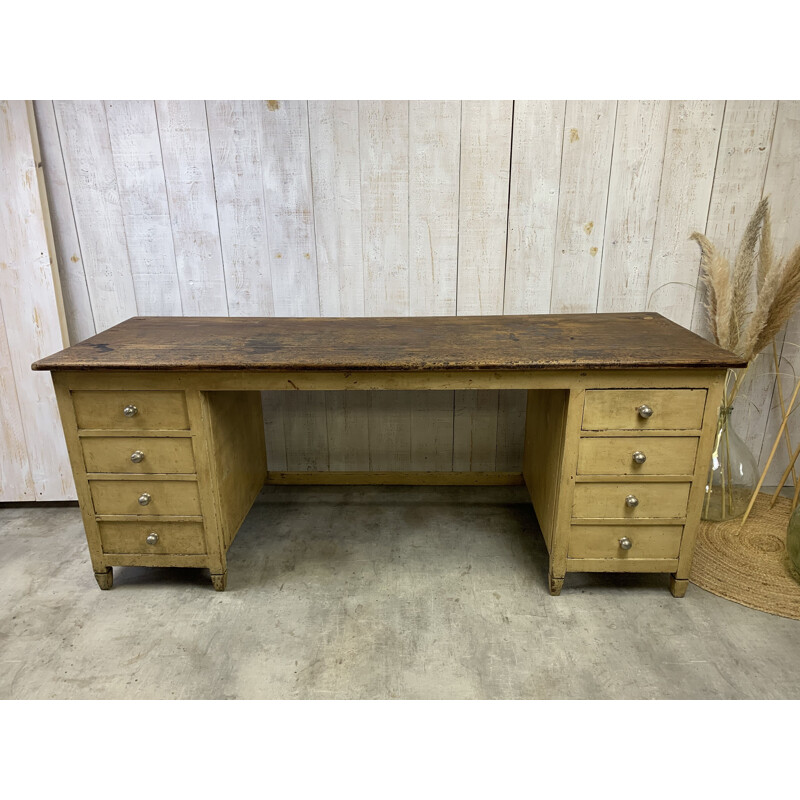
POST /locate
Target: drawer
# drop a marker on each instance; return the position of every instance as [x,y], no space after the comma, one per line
[619,409]
[154,411]
[672,455]
[603,541]
[167,498]
[174,538]
[607,500]
[158,455]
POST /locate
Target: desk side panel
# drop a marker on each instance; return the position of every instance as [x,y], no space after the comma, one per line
[238,455]
[544,448]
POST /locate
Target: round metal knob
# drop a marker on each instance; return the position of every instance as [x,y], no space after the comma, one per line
[130,411]
[639,457]
[631,501]
[144,498]
[625,543]
[152,538]
[137,456]
[645,412]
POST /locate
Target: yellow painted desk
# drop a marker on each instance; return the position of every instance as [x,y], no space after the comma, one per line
[163,421]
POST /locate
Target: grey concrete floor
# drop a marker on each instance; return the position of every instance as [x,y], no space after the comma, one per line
[370,592]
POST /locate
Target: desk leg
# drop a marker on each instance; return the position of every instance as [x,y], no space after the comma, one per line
[555,583]
[220,581]
[678,586]
[105,579]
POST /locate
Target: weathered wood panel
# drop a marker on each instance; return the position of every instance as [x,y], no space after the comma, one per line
[136,152]
[93,189]
[410,209]
[585,168]
[32,446]
[636,166]
[482,235]
[77,305]
[686,181]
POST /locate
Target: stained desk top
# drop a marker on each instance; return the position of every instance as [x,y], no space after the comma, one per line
[540,342]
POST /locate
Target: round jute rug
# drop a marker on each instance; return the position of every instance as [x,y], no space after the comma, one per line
[750,566]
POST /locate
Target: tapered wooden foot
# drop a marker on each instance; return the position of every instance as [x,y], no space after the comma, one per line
[678,586]
[220,581]
[105,580]
[555,584]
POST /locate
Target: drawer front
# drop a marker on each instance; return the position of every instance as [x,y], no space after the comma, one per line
[619,409]
[607,500]
[153,411]
[174,538]
[168,498]
[603,541]
[151,455]
[673,455]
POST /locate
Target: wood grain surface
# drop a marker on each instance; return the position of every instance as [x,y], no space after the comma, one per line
[548,341]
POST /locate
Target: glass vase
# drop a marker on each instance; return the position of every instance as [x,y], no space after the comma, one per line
[733,473]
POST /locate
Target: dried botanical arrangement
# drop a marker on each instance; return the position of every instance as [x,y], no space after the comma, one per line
[747,305]
[742,320]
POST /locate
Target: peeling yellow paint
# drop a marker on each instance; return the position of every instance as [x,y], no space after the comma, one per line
[573,135]
[592,251]
[74,259]
[588,227]
[273,105]
[278,255]
[307,255]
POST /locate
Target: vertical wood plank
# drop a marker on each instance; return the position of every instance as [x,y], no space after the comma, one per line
[336,187]
[286,170]
[483,220]
[585,172]
[530,250]
[782,184]
[189,178]
[433,197]
[286,176]
[235,137]
[483,205]
[77,306]
[93,188]
[31,325]
[16,483]
[688,174]
[533,205]
[383,140]
[636,165]
[383,131]
[136,150]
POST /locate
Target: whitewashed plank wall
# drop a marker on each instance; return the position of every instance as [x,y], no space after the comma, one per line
[33,454]
[394,208]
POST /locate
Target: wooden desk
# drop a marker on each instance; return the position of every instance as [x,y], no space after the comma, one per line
[163,421]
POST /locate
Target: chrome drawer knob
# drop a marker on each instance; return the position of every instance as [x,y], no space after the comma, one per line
[137,456]
[130,411]
[144,499]
[645,412]
[631,501]
[152,538]
[639,457]
[625,543]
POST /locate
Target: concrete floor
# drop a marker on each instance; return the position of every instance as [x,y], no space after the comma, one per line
[370,592]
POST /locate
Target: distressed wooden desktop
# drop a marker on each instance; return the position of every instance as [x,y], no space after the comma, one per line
[163,421]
